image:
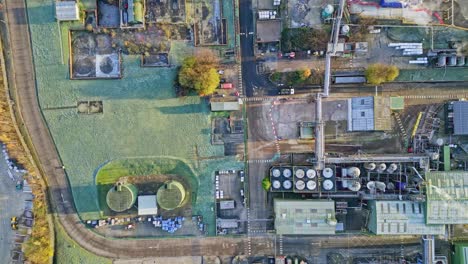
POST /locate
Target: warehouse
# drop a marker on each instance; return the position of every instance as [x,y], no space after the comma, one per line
[308,217]
[400,217]
[147,205]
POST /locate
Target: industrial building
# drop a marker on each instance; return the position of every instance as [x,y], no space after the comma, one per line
[400,217]
[447,197]
[304,217]
[147,205]
[369,114]
[460,117]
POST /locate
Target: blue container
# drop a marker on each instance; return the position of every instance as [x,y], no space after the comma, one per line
[391,4]
[400,185]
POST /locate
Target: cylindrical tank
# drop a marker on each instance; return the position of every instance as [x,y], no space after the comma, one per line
[380,185]
[276,184]
[300,173]
[328,172]
[442,60]
[287,173]
[354,186]
[461,61]
[311,185]
[370,166]
[440,142]
[353,172]
[276,173]
[328,185]
[452,60]
[344,29]
[328,11]
[287,184]
[300,185]
[121,197]
[390,186]
[381,167]
[392,168]
[311,173]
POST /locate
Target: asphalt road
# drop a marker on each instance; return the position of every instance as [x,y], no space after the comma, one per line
[11,204]
[22,77]
[249,68]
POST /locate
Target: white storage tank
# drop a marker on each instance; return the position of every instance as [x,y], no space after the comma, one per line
[354,186]
[300,173]
[382,167]
[311,185]
[392,168]
[353,172]
[287,173]
[276,173]
[461,61]
[276,184]
[311,173]
[300,185]
[328,172]
[287,184]
[370,166]
[441,60]
[328,185]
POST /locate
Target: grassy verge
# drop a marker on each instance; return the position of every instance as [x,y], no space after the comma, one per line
[68,251]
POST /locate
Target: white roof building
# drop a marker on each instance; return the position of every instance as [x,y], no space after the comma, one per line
[67,10]
[147,205]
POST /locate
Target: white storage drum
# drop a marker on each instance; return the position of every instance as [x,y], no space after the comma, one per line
[276,184]
[300,185]
[276,173]
[287,173]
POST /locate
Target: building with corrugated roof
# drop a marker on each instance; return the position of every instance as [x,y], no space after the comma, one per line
[67,11]
[460,117]
[227,204]
[361,114]
[400,217]
[447,197]
[304,217]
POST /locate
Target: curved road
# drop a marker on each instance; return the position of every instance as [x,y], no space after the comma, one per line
[22,80]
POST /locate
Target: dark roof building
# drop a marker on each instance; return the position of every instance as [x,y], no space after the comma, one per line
[460,115]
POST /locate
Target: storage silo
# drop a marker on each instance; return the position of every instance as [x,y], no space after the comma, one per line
[370,166]
[452,60]
[311,173]
[287,173]
[300,185]
[276,184]
[328,172]
[354,186]
[381,168]
[287,184]
[121,197]
[300,173]
[328,185]
[276,173]
[442,60]
[392,168]
[311,185]
[461,61]
[353,172]
[171,195]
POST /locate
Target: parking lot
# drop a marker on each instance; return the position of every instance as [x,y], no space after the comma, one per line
[229,185]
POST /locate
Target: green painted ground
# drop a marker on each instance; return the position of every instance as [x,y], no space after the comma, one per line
[435,74]
[142,117]
[68,251]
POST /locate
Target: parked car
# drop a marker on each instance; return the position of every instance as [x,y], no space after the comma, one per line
[286,91]
[227,86]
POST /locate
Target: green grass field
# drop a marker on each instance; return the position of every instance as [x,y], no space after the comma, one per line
[142,119]
[68,251]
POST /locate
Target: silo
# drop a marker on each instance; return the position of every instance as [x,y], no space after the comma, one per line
[344,29]
[171,195]
[121,197]
[442,60]
[276,173]
[327,11]
[311,185]
[353,172]
[328,185]
[287,173]
[381,168]
[300,173]
[300,185]
[370,166]
[328,172]
[355,186]
[287,184]
[276,184]
[392,168]
[461,61]
[452,60]
[311,173]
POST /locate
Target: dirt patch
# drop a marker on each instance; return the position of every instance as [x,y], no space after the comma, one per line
[209,26]
[170,11]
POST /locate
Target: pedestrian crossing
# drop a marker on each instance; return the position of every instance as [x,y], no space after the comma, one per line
[258,99]
[400,125]
[280,239]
